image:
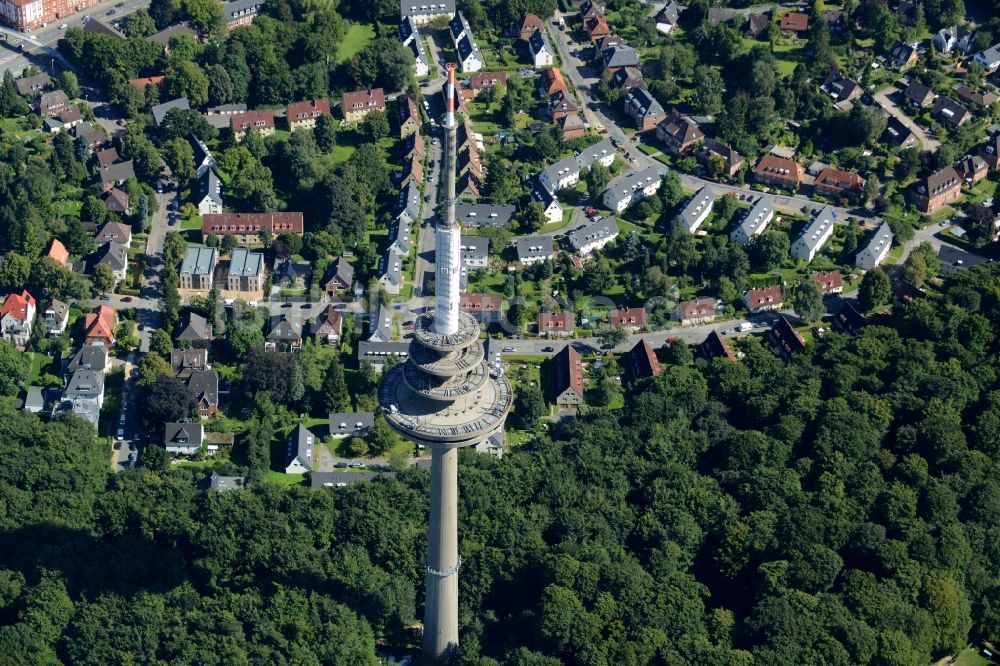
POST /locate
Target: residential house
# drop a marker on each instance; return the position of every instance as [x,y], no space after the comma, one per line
[96,26]
[605,42]
[116,201]
[377,353]
[32,85]
[88,357]
[795,22]
[240,12]
[902,56]
[589,9]
[561,105]
[476,215]
[209,192]
[631,319]
[164,37]
[715,346]
[215,481]
[116,174]
[697,311]
[898,135]
[159,111]
[400,240]
[85,394]
[603,152]
[248,226]
[292,274]
[423,14]
[469,57]
[553,211]
[556,324]
[185,361]
[183,438]
[848,319]
[525,26]
[841,88]
[950,39]
[339,277]
[303,115]
[830,282]
[990,151]
[329,326]
[409,119]
[114,256]
[114,232]
[66,119]
[198,268]
[90,135]
[833,182]
[815,235]
[219,116]
[55,315]
[626,78]
[106,158]
[972,169]
[764,299]
[260,121]
[193,329]
[619,55]
[785,338]
[697,209]
[34,400]
[484,307]
[974,97]
[408,207]
[918,94]
[593,235]
[415,147]
[640,361]
[351,424]
[469,185]
[567,378]
[666,19]
[678,134]
[551,81]
[778,172]
[16,318]
[596,26]
[301,451]
[710,151]
[755,221]
[380,324]
[57,252]
[475,251]
[631,188]
[246,271]
[52,103]
[937,189]
[571,126]
[204,386]
[534,249]
[950,112]
[390,272]
[990,58]
[643,109]
[542,54]
[283,334]
[564,173]
[410,38]
[756,25]
[876,250]
[906,293]
[487,80]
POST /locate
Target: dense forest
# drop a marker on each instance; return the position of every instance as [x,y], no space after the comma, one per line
[841,509]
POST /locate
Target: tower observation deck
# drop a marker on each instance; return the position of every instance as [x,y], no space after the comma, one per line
[445,396]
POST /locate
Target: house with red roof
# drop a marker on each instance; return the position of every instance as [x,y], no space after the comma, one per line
[567,378]
[58,252]
[99,326]
[16,317]
[303,115]
[555,323]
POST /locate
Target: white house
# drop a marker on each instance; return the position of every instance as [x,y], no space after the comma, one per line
[698,208]
[877,249]
[410,38]
[593,235]
[815,235]
[391,272]
[553,211]
[16,318]
[209,192]
[469,57]
[564,173]
[475,251]
[300,451]
[351,424]
[541,50]
[631,188]
[990,58]
[55,316]
[534,249]
[754,222]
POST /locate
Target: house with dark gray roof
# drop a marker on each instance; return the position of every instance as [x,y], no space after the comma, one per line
[209,192]
[950,112]
[534,249]
[351,424]
[88,357]
[643,109]
[339,276]
[292,273]
[116,174]
[484,214]
[186,361]
[204,385]
[755,221]
[697,209]
[183,438]
[218,483]
[550,205]
[380,324]
[390,271]
[32,85]
[408,206]
[620,56]
[283,333]
[160,110]
[193,328]
[115,257]
[593,235]
[301,450]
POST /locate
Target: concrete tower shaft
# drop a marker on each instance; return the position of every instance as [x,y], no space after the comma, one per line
[447,242]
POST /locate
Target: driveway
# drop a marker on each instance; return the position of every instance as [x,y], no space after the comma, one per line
[886,98]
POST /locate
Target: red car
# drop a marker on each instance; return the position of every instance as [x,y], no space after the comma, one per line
[591,211]
[127,299]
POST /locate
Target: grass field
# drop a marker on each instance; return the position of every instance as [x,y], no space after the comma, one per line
[357,37]
[282,479]
[39,363]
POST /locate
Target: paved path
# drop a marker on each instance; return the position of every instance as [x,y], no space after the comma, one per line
[884,99]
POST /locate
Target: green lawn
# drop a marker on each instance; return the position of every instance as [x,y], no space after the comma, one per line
[972,657]
[282,479]
[39,364]
[357,37]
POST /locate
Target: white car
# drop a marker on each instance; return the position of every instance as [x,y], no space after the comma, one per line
[63,26]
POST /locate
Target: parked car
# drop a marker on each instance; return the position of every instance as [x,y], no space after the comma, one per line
[547,349]
[121,433]
[63,26]
[131,457]
[126,299]
[118,445]
[508,350]
[131,446]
